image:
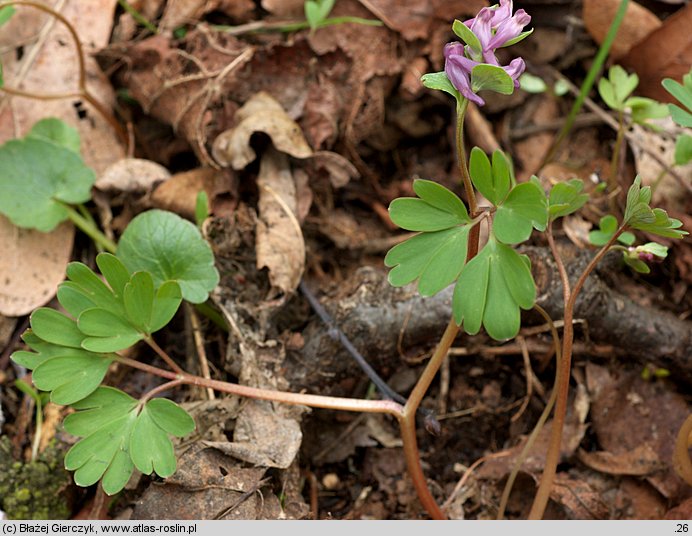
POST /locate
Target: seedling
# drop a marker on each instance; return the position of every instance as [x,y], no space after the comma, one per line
[616,91]
[683,117]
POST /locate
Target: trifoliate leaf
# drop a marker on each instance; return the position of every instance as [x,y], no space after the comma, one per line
[493,181]
[107,331]
[71,376]
[566,198]
[57,132]
[36,178]
[118,437]
[415,214]
[607,227]
[491,290]
[435,259]
[464,33]
[104,452]
[491,77]
[638,214]
[170,249]
[683,150]
[90,285]
[683,93]
[439,81]
[55,327]
[525,208]
[150,447]
[644,109]
[615,89]
[316,11]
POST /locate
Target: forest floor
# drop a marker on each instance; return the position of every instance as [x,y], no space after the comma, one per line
[339,123]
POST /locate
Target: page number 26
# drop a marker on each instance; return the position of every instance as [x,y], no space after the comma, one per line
[681,527]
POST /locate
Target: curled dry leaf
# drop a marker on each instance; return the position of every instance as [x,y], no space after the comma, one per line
[340,170]
[640,461]
[55,69]
[637,24]
[132,175]
[262,113]
[179,193]
[32,265]
[279,239]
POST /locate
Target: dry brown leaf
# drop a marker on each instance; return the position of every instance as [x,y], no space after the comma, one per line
[664,53]
[667,190]
[279,238]
[132,175]
[340,170]
[284,8]
[259,114]
[179,193]
[32,265]
[641,461]
[579,499]
[577,230]
[262,437]
[180,12]
[54,69]
[639,22]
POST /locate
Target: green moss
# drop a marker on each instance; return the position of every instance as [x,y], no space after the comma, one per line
[33,490]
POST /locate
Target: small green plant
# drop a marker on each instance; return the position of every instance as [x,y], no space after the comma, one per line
[616,91]
[683,117]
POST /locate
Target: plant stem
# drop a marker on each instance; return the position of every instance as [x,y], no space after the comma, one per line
[588,82]
[89,228]
[163,355]
[317,401]
[160,389]
[461,157]
[285,26]
[562,380]
[139,18]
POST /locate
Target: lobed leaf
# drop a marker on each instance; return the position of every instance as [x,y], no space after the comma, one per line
[439,81]
[170,249]
[608,226]
[524,209]
[683,150]
[71,376]
[436,209]
[93,289]
[493,181]
[139,300]
[55,327]
[107,331]
[119,435]
[638,214]
[41,351]
[114,271]
[491,290]
[491,77]
[58,132]
[566,198]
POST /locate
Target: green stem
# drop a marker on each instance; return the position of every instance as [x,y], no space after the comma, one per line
[562,382]
[90,229]
[586,86]
[280,26]
[139,18]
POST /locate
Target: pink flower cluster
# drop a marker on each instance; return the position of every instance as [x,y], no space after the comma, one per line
[494,27]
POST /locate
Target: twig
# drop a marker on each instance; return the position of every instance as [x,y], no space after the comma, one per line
[529,379]
[199,346]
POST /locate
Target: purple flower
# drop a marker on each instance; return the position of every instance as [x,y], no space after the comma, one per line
[494,27]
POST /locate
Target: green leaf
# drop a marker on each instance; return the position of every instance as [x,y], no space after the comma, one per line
[525,208]
[464,33]
[440,82]
[515,40]
[491,290]
[680,116]
[683,150]
[441,198]
[118,437]
[644,109]
[2,77]
[623,83]
[71,376]
[139,300]
[55,327]
[114,271]
[607,228]
[36,178]
[435,259]
[6,13]
[491,77]
[42,351]
[637,265]
[493,181]
[681,92]
[166,303]
[201,208]
[607,93]
[532,84]
[73,298]
[170,249]
[150,447]
[58,132]
[107,332]
[415,214]
[638,214]
[566,198]
[312,13]
[104,454]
